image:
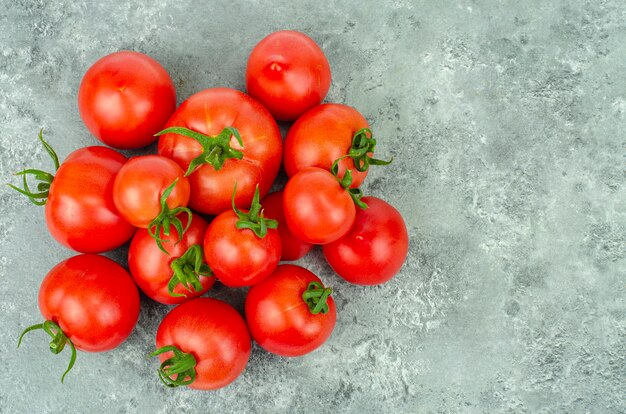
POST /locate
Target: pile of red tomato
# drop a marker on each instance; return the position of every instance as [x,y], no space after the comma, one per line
[219,153]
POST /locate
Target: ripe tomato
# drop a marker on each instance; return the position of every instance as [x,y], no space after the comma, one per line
[223,160]
[149,192]
[374,249]
[242,248]
[290,313]
[175,276]
[318,209]
[203,343]
[125,98]
[89,302]
[329,132]
[80,213]
[288,73]
[292,247]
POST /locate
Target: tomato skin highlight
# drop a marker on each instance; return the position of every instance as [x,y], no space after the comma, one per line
[214,333]
[125,98]
[288,73]
[92,299]
[209,112]
[80,212]
[150,267]
[279,319]
[139,184]
[374,249]
[321,136]
[292,248]
[317,209]
[238,257]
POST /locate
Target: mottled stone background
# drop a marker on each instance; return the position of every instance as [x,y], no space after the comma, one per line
[507,121]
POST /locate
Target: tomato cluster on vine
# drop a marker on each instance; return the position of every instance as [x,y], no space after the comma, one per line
[198,212]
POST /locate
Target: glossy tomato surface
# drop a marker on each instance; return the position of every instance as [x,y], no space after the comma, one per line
[151,268]
[80,212]
[292,247]
[374,249]
[138,187]
[238,257]
[288,73]
[92,299]
[214,333]
[321,136]
[125,98]
[317,209]
[280,320]
[209,112]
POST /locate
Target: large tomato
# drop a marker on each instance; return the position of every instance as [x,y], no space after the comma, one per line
[203,343]
[242,248]
[327,133]
[176,275]
[292,247]
[288,73]
[221,159]
[374,249]
[89,302]
[318,209]
[125,98]
[80,213]
[290,313]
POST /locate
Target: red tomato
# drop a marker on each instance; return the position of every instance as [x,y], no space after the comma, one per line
[292,247]
[374,249]
[242,248]
[140,184]
[279,318]
[80,212]
[210,112]
[156,272]
[288,73]
[327,133]
[207,339]
[317,208]
[125,98]
[89,302]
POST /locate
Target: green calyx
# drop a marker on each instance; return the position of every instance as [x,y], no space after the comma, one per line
[177,370]
[363,143]
[215,150]
[188,269]
[38,197]
[345,181]
[316,296]
[167,218]
[57,344]
[253,219]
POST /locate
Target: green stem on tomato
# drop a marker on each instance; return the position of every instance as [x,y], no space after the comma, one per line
[253,219]
[363,143]
[57,344]
[177,370]
[215,150]
[167,218]
[315,296]
[345,181]
[188,269]
[45,179]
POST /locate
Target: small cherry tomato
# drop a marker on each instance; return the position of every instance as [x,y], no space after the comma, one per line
[242,248]
[327,133]
[203,343]
[90,303]
[374,249]
[125,98]
[290,313]
[288,73]
[178,275]
[292,247]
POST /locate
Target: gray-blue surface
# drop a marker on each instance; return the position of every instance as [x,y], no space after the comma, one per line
[507,121]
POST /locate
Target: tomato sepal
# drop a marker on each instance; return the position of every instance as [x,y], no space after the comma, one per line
[253,219]
[215,150]
[345,181]
[363,143]
[168,217]
[57,344]
[178,370]
[188,269]
[315,296]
